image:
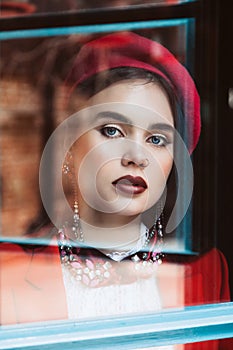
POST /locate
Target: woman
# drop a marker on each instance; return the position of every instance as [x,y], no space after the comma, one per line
[139,116]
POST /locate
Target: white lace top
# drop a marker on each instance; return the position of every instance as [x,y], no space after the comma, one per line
[83,301]
[139,296]
[142,296]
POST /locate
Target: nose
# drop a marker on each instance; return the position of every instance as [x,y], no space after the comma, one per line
[138,159]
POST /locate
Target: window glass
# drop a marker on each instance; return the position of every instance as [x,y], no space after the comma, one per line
[95,156]
[19,8]
[35,103]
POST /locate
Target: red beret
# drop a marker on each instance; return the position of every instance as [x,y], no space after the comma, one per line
[127,49]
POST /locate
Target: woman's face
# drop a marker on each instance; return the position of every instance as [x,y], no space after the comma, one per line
[122,161]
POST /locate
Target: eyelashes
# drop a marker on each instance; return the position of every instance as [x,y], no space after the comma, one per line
[158,140]
[113,132]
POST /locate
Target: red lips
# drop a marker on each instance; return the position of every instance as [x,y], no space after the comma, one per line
[130,184]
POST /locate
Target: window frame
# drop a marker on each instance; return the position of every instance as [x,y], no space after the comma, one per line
[191,324]
[178,326]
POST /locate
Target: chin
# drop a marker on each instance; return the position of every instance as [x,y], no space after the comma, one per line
[131,211]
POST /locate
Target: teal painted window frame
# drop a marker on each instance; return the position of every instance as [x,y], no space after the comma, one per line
[92,28]
[192,324]
[178,326]
[187,22]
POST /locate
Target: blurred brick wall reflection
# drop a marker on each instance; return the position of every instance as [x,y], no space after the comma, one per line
[20,125]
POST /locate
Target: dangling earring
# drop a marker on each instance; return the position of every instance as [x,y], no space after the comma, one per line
[159,221]
[157,254]
[76,228]
[159,226]
[156,236]
[68,169]
[65,169]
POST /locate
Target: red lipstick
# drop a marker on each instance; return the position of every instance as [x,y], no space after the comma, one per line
[130,184]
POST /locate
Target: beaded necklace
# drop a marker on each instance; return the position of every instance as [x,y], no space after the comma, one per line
[94,268]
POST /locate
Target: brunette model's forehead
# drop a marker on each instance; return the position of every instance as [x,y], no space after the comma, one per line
[121,113]
[108,116]
[125,90]
[126,98]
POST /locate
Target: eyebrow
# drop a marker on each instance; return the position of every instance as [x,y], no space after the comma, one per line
[121,118]
[114,115]
[162,126]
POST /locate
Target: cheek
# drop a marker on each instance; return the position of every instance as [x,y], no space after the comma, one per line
[80,149]
[86,156]
[162,165]
[93,171]
[166,167]
[157,175]
[105,176]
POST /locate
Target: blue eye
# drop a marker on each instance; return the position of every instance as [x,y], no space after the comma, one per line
[158,140]
[111,131]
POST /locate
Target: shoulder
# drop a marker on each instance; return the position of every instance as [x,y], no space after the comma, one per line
[196,261]
[31,281]
[212,262]
[18,251]
[206,276]
[209,264]
[23,261]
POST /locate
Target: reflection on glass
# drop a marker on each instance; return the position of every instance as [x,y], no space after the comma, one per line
[16,8]
[13,8]
[33,72]
[125,118]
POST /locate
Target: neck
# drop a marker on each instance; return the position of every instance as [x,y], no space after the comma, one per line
[106,220]
[121,236]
